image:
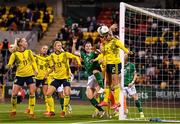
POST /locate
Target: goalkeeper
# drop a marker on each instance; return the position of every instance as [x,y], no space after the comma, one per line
[130,76]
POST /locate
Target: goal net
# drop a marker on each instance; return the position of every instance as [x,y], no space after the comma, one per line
[154,36]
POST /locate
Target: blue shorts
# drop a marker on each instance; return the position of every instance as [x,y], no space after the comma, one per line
[113,68]
[21,80]
[40,82]
[57,83]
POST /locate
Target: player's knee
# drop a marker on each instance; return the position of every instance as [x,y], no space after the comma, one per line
[135,97]
[89,94]
[13,96]
[67,93]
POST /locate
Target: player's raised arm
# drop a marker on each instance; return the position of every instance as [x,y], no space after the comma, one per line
[121,46]
[70,55]
[11,61]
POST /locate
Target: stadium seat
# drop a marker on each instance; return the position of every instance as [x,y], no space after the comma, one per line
[50,10]
[51,18]
[95,34]
[44,26]
[4,16]
[41,14]
[150,40]
[3,29]
[40,21]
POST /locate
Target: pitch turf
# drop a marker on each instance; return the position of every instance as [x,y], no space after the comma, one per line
[81,115]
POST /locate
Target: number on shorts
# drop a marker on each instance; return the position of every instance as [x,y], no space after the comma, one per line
[113,69]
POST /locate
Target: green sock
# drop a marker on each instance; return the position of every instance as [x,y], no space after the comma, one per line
[95,104]
[61,100]
[138,105]
[101,97]
[99,79]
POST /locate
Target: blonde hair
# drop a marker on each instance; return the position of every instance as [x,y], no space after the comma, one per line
[56,42]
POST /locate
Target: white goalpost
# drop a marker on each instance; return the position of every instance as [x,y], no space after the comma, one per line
[154,36]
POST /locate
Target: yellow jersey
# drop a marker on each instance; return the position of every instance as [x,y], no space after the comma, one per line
[102,64]
[60,63]
[42,66]
[25,63]
[111,51]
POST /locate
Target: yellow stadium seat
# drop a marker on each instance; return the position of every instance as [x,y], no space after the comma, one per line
[44,26]
[95,34]
[150,40]
[11,16]
[172,43]
[40,21]
[155,39]
[41,14]
[49,9]
[4,16]
[3,29]
[162,39]
[85,35]
[94,38]
[51,18]
[8,8]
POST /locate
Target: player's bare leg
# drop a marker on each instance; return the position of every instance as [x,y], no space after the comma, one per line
[15,91]
[50,100]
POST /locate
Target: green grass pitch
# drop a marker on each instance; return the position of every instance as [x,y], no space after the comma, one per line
[81,115]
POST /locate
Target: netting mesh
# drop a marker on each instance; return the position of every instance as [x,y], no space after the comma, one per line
[155,42]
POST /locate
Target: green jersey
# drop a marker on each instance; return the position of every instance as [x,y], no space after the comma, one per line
[129,70]
[88,65]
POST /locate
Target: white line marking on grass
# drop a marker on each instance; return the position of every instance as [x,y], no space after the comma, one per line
[84,122]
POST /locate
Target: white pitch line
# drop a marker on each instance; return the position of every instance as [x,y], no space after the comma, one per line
[86,122]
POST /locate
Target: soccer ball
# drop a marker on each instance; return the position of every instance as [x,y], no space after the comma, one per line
[103,30]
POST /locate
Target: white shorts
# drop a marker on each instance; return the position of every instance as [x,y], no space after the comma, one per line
[60,89]
[130,91]
[92,83]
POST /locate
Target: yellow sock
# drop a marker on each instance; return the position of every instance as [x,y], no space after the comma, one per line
[46,103]
[106,94]
[66,102]
[98,100]
[13,103]
[50,102]
[29,104]
[32,103]
[116,93]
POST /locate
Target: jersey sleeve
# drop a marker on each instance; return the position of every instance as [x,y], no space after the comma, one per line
[100,56]
[71,56]
[33,61]
[50,60]
[41,58]
[11,60]
[121,46]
